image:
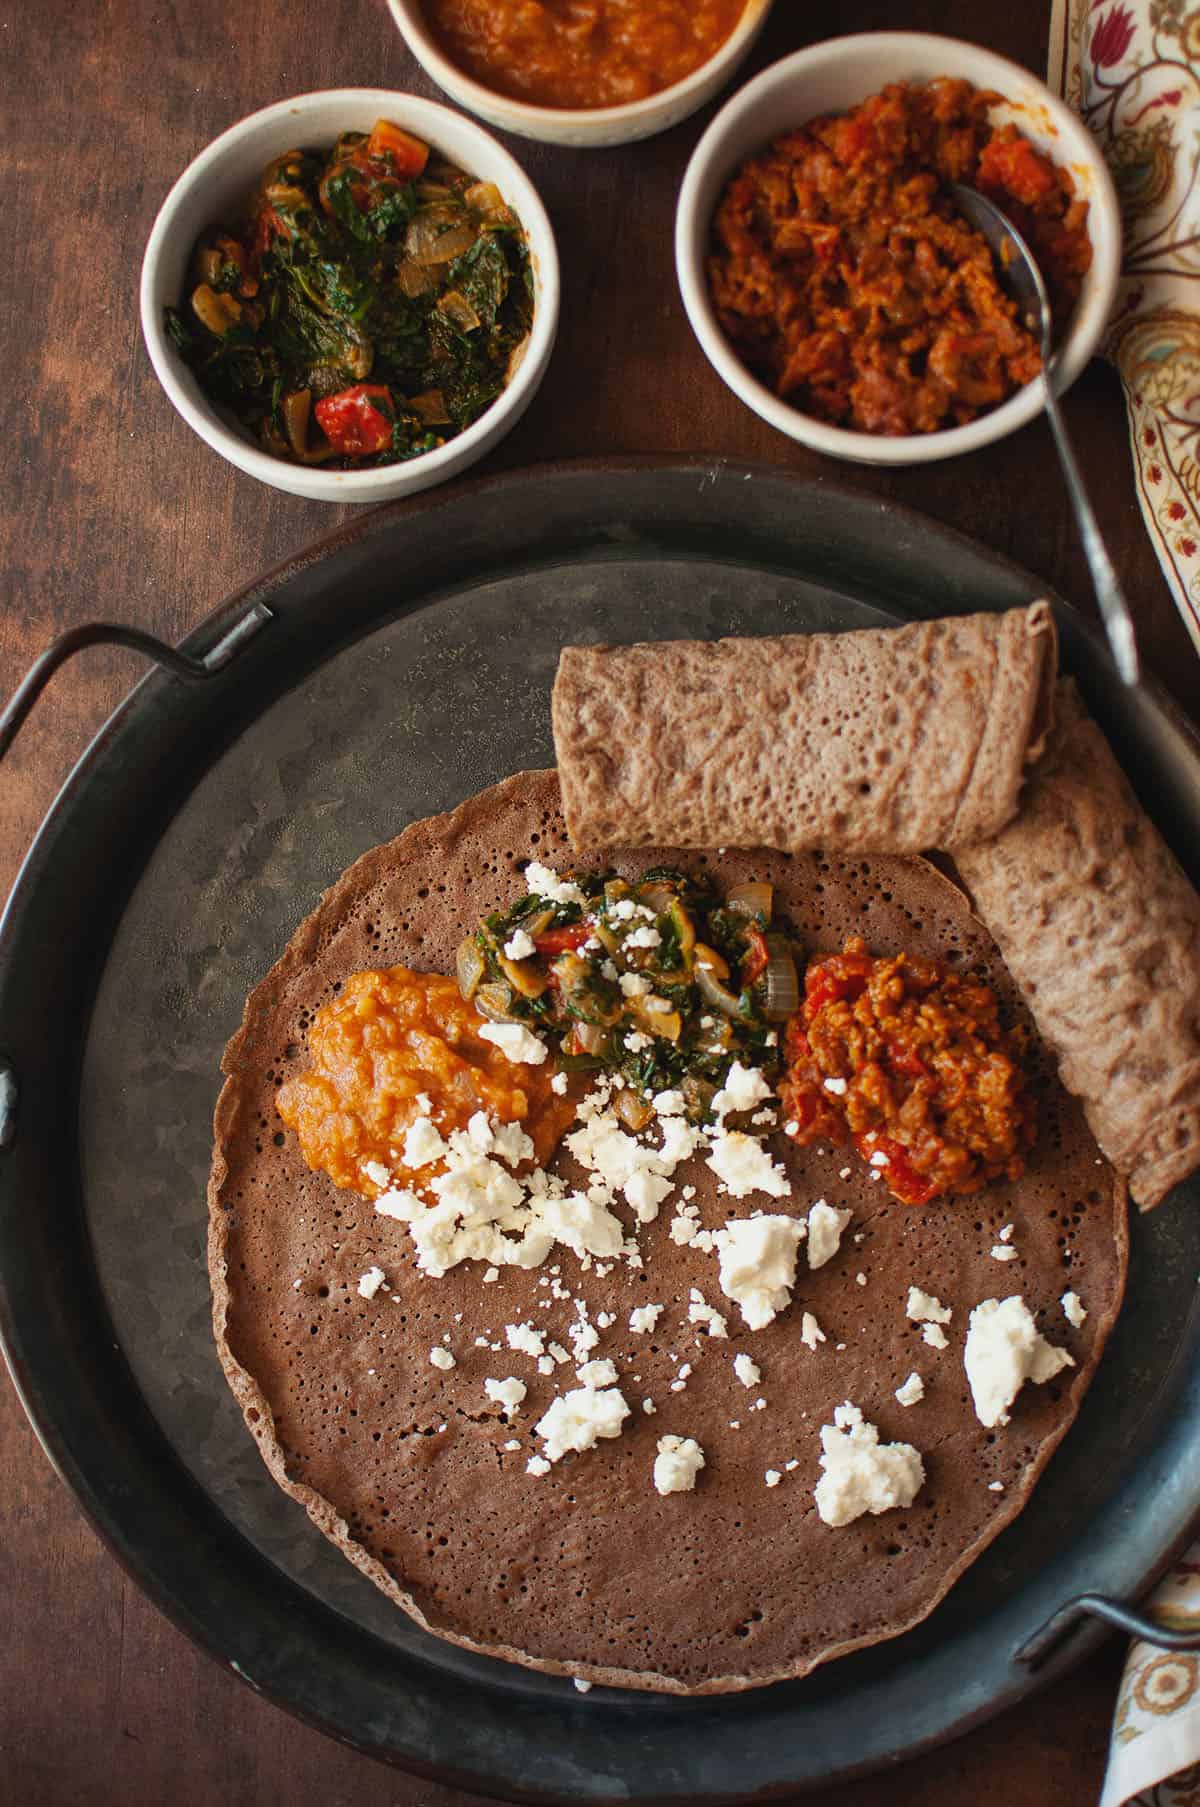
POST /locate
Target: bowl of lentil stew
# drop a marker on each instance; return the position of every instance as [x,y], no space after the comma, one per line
[585,73]
[831,283]
[215,191]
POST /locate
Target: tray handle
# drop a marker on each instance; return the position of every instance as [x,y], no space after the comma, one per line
[106,633]
[1034,1651]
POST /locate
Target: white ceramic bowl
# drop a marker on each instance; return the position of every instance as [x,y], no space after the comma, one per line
[583,128]
[217,183]
[831,78]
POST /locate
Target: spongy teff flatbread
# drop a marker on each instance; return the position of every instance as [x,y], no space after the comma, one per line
[587,1571]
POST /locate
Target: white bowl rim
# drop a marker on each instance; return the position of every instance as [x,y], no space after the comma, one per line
[411,25]
[381,481]
[916,448]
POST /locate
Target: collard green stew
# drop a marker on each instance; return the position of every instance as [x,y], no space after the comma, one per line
[370,304]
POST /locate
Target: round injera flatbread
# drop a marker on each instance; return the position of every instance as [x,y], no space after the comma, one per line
[586,1571]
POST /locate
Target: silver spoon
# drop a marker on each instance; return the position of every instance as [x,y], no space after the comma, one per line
[1021,277]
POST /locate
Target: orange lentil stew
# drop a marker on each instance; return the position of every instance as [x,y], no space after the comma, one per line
[580,53]
[908,1061]
[394,1046]
[848,283]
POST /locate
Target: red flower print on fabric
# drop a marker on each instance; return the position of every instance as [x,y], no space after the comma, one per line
[1112,37]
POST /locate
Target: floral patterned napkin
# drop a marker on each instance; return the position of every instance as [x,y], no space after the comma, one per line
[1132,70]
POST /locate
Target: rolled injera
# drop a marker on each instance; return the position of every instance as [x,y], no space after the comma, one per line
[1100,928]
[886,740]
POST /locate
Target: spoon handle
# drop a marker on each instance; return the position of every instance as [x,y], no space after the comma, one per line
[1118,623]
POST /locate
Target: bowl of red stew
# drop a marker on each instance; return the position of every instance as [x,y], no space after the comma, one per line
[831,280]
[580,72]
[352,295]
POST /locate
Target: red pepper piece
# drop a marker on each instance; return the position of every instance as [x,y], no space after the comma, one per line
[357,421]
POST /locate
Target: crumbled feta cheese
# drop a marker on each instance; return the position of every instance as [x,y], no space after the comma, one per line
[669,1104]
[508,1393]
[584,1687]
[490,1275]
[525,1338]
[597,1374]
[772,1477]
[861,1473]
[995,1486]
[860,1279]
[1075,1313]
[744,1165]
[1006,1234]
[643,1318]
[370,1282]
[513,1443]
[912,1392]
[377,1173]
[559,1083]
[678,1462]
[649,1407]
[543,881]
[744,1087]
[934,1335]
[747,1371]
[836,1086]
[699,1312]
[578,1419]
[922,1307]
[515,1043]
[634,985]
[520,946]
[545,1364]
[879,1159]
[442,1358]
[537,1465]
[423,1143]
[758,1264]
[1003,1251]
[810,1331]
[1004,1349]
[643,936]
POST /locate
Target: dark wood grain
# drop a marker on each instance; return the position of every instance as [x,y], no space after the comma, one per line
[112,507]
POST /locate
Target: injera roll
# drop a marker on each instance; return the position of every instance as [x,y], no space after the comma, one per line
[886,740]
[1100,928]
[587,1571]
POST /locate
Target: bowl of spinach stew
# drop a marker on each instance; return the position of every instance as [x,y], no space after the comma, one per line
[351,296]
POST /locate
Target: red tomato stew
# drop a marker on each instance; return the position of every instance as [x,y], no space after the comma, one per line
[369,305]
[849,284]
[908,1061]
[580,53]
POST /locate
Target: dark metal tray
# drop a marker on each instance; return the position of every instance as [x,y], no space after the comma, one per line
[396,668]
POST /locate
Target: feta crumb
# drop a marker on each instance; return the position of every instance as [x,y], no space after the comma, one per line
[758,1264]
[934,1335]
[491,1275]
[744,1087]
[744,1165]
[525,1338]
[922,1307]
[995,1486]
[377,1173]
[508,1393]
[545,1364]
[559,1083]
[649,1407]
[678,1462]
[1006,1234]
[537,1465]
[860,1279]
[701,1313]
[747,1371]
[370,1282]
[825,1226]
[810,1331]
[794,1463]
[597,1374]
[913,1390]
[643,936]
[635,1041]
[1004,1349]
[1002,1251]
[584,1687]
[578,1419]
[643,1318]
[520,946]
[772,1477]
[861,1473]
[513,1443]
[1075,1313]
[669,1104]
[543,881]
[515,1043]
[634,985]
[442,1358]
[836,1086]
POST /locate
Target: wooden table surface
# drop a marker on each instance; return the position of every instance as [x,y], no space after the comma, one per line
[115,509]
